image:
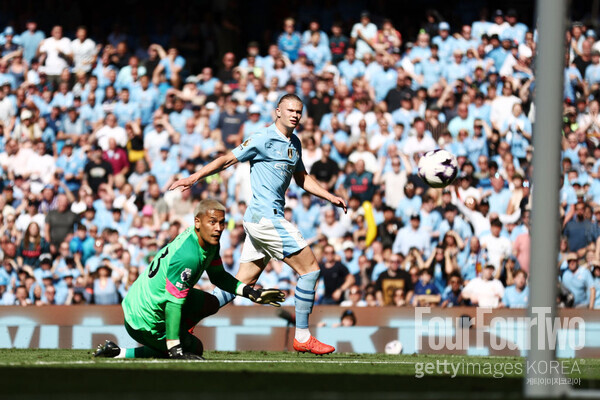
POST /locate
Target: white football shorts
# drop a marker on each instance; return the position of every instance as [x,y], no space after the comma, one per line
[271,238]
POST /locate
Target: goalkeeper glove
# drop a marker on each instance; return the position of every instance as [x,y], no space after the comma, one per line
[176,353]
[264,296]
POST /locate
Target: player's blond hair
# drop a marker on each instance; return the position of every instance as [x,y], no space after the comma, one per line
[206,205]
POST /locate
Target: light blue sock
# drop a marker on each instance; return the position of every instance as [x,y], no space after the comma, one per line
[223,296]
[305,297]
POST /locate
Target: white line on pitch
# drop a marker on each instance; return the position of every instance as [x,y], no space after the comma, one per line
[133,361]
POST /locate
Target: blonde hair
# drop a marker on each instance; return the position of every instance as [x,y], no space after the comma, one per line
[206,205]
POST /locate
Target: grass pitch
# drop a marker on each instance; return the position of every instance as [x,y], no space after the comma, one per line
[67,374]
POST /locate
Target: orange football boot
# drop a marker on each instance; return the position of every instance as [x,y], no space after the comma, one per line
[312,345]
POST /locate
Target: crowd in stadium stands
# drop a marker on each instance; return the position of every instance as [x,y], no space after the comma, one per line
[93,134]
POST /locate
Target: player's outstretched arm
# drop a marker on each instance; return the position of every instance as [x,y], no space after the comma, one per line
[310,184]
[215,166]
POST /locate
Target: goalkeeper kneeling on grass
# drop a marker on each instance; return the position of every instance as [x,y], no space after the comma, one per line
[162,307]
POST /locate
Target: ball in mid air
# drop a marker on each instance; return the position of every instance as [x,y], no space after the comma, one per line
[438,168]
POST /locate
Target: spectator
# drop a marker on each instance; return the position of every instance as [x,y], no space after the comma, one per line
[354,298]
[310,152]
[335,276]
[55,54]
[229,123]
[454,224]
[388,39]
[338,43]
[110,130]
[82,243]
[580,231]
[499,197]
[388,228]
[452,295]
[316,51]
[30,214]
[420,142]
[441,264]
[84,51]
[412,236]
[97,171]
[306,216]
[116,157]
[289,41]
[32,246]
[105,289]
[363,35]
[391,280]
[171,64]
[332,228]
[409,204]
[498,247]
[426,292]
[502,106]
[325,170]
[164,169]
[60,222]
[360,182]
[517,295]
[126,111]
[30,40]
[578,280]
[21,297]
[484,291]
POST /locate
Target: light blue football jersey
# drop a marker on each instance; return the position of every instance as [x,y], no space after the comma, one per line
[273,160]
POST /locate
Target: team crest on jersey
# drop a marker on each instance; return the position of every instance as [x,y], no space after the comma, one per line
[186,275]
[290,153]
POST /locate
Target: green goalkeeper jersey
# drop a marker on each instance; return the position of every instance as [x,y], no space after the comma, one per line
[175,269]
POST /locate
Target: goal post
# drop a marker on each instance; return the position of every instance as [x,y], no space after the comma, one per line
[545,228]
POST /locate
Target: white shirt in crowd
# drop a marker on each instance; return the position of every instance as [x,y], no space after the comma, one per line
[25,219]
[501,108]
[7,111]
[498,248]
[484,293]
[414,145]
[371,164]
[106,132]
[83,54]
[55,64]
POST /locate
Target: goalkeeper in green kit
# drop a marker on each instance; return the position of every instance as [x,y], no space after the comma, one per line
[162,307]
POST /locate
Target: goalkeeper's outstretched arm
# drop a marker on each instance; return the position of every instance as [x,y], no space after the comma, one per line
[228,283]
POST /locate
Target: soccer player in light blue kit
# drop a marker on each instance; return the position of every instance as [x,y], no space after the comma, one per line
[275,155]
